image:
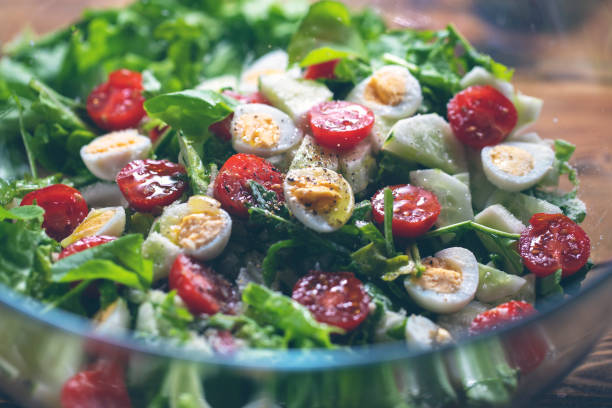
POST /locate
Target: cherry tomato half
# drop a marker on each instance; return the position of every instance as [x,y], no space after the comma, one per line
[149,184]
[231,185]
[85,243]
[340,125]
[64,207]
[524,350]
[202,290]
[415,210]
[481,116]
[118,103]
[101,386]
[222,129]
[324,70]
[552,242]
[338,299]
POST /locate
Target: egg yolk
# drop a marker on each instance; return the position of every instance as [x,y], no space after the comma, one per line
[512,160]
[386,88]
[197,230]
[90,226]
[317,193]
[253,76]
[113,141]
[439,276]
[258,130]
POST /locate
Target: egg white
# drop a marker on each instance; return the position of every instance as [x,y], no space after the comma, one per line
[107,163]
[409,104]
[543,158]
[172,217]
[290,135]
[275,62]
[323,222]
[460,259]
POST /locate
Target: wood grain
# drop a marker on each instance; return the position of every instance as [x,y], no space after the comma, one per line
[576,108]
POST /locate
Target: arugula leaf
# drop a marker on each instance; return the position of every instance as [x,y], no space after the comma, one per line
[30,213]
[325,33]
[371,260]
[271,261]
[191,111]
[119,261]
[294,320]
[550,286]
[199,175]
[388,221]
[19,188]
[570,204]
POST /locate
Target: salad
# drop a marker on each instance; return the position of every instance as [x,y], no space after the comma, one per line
[239,175]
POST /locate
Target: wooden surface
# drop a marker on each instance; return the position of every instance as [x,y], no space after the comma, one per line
[577,108]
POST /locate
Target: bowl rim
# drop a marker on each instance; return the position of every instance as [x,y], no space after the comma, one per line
[292,360]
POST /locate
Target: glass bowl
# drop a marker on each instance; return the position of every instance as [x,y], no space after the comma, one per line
[562,52]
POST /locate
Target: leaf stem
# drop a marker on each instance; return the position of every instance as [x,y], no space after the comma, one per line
[388,221]
[472,226]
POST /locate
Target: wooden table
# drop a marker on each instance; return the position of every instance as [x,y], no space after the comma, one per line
[575,109]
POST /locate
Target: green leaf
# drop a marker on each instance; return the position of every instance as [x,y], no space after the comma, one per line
[199,175]
[119,261]
[191,111]
[371,260]
[243,327]
[294,320]
[31,214]
[550,286]
[271,261]
[325,33]
[388,221]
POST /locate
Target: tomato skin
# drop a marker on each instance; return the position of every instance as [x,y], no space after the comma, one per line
[338,299]
[150,184]
[324,70]
[118,103]
[481,116]
[231,187]
[415,210]
[340,125]
[202,290]
[157,132]
[552,242]
[101,386]
[525,351]
[65,208]
[85,243]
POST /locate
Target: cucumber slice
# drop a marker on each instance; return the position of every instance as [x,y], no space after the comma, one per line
[453,195]
[463,177]
[162,252]
[293,96]
[310,154]
[528,109]
[459,322]
[358,166]
[494,284]
[219,83]
[380,132]
[480,186]
[480,76]
[522,205]
[427,140]
[498,217]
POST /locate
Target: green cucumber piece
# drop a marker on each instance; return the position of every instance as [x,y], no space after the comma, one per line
[293,96]
[498,217]
[522,205]
[429,141]
[494,284]
[454,196]
[358,166]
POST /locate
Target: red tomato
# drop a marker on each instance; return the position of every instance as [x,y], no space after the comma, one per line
[85,243]
[156,132]
[501,315]
[231,185]
[525,351]
[64,207]
[223,128]
[118,103]
[338,299]
[340,125]
[149,184]
[481,116]
[202,290]
[552,242]
[223,342]
[102,386]
[415,210]
[324,70]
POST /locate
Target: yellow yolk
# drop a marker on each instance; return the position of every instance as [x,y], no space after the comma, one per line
[253,77]
[90,226]
[439,276]
[197,230]
[512,160]
[319,194]
[386,88]
[258,130]
[113,141]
